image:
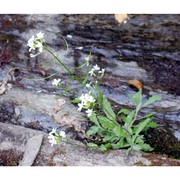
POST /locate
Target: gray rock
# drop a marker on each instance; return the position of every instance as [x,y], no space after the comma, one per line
[71,153]
[57,107]
[32,149]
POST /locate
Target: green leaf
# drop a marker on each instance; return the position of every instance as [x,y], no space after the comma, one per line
[108,138]
[106,123]
[103,147]
[100,99]
[76,100]
[139,139]
[114,139]
[108,146]
[130,117]
[146,147]
[150,125]
[128,151]
[93,130]
[94,119]
[142,125]
[68,88]
[136,98]
[108,109]
[152,100]
[86,78]
[130,140]
[129,129]
[137,147]
[92,145]
[123,117]
[119,131]
[124,111]
[150,115]
[120,144]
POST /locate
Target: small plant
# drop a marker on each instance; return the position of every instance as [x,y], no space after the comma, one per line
[123,129]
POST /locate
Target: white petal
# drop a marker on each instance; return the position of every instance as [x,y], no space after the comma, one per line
[89,112]
[96,67]
[69,36]
[79,48]
[62,134]
[40,35]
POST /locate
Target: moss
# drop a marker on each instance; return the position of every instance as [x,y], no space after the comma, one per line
[163,142]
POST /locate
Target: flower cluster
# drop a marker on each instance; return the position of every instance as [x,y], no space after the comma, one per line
[56,82]
[87,102]
[87,59]
[95,69]
[55,137]
[36,43]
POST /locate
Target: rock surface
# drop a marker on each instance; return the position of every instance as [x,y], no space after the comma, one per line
[32,149]
[74,153]
[145,48]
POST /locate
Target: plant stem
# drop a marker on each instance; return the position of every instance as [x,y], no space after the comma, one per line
[135,117]
[70,73]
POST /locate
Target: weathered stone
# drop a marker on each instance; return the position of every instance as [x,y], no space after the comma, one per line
[128,69]
[58,107]
[73,153]
[32,149]
[145,48]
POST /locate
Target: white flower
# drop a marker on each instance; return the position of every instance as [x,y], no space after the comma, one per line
[88,85]
[53,131]
[36,43]
[81,105]
[82,98]
[69,36]
[79,48]
[96,67]
[62,134]
[51,137]
[55,137]
[87,58]
[34,55]
[89,112]
[87,61]
[52,140]
[125,21]
[86,101]
[40,46]
[101,72]
[89,98]
[31,43]
[40,35]
[86,98]
[91,72]
[56,82]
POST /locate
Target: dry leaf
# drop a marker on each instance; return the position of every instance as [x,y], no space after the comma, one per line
[121,17]
[42,72]
[136,83]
